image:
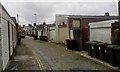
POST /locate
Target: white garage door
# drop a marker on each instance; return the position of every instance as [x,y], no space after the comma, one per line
[52,35]
[101,34]
[5,49]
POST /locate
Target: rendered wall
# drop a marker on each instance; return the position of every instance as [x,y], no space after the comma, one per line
[62,35]
[59,19]
[39,33]
[52,35]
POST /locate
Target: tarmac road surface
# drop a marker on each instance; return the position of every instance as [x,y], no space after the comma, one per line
[39,55]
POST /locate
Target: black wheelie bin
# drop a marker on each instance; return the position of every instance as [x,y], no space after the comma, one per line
[103,52]
[71,44]
[68,44]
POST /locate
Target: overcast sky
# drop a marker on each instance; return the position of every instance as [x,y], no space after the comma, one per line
[46,9]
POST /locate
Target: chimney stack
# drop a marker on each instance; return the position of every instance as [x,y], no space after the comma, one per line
[106,14]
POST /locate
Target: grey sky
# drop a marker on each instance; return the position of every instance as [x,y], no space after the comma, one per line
[46,11]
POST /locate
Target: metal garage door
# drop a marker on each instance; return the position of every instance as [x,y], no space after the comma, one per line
[11,40]
[5,49]
[52,35]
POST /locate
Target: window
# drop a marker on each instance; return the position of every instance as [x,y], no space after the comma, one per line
[76,23]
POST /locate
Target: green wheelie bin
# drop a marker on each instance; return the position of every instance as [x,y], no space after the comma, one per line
[111,53]
[92,48]
[89,44]
[117,55]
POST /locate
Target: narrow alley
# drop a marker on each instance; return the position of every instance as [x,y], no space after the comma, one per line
[39,55]
[53,36]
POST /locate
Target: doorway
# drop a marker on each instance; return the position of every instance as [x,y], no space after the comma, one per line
[77,36]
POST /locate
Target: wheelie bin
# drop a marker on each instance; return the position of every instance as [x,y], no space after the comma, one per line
[74,45]
[103,52]
[92,48]
[35,37]
[77,45]
[45,38]
[68,44]
[111,53]
[40,37]
[89,44]
[71,44]
[117,55]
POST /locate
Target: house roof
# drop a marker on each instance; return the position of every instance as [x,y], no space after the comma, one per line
[51,25]
[102,23]
[39,26]
[90,16]
[14,19]
[6,11]
[87,16]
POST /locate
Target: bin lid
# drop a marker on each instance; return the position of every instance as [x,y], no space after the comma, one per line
[112,46]
[70,39]
[92,42]
[100,43]
[117,48]
[67,39]
[103,44]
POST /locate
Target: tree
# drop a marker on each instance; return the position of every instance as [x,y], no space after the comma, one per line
[44,23]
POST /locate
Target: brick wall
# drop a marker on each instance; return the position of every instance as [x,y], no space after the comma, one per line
[85,31]
[84,27]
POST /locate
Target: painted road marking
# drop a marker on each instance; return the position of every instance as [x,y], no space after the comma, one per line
[39,62]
